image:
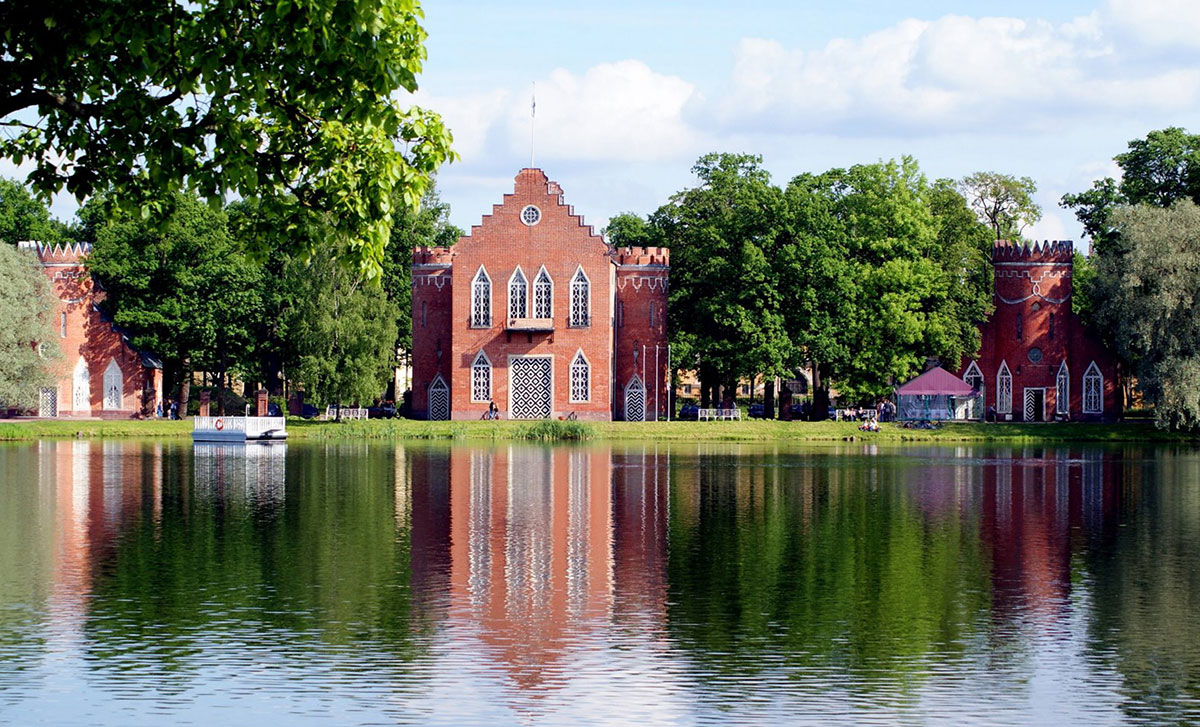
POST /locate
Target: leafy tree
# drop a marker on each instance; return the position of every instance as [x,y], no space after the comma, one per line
[343,332]
[883,271]
[1003,202]
[291,102]
[629,230]
[184,290]
[28,344]
[24,218]
[724,305]
[1148,296]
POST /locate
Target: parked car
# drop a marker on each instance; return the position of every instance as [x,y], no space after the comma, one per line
[689,412]
[309,411]
[384,410]
[756,411]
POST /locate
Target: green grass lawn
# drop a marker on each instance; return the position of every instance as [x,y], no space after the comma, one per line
[744,431]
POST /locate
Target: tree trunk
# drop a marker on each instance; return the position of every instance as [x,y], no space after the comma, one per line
[820,396]
[769,398]
[185,386]
[705,382]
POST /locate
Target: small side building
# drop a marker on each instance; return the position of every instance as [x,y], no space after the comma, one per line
[104,375]
[1037,361]
[536,313]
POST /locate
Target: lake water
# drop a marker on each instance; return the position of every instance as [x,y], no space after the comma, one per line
[353,583]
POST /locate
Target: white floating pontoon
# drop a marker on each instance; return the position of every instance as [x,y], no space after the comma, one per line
[239,429]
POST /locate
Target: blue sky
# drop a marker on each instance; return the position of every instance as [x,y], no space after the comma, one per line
[630,94]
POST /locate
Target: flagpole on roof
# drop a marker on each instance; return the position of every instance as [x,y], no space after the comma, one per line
[532,121]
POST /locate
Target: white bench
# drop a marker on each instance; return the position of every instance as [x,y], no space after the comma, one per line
[348,412]
[725,414]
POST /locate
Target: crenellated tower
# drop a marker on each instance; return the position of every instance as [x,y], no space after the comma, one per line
[640,331]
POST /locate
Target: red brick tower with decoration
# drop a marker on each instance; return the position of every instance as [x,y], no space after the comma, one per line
[1037,361]
[535,313]
[101,374]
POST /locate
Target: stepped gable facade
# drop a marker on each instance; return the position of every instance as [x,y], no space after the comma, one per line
[1037,361]
[102,374]
[536,313]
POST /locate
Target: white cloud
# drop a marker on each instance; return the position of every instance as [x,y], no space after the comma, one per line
[620,111]
[1158,22]
[954,73]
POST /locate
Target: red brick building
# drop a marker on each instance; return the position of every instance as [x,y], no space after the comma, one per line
[536,312]
[1037,361]
[103,375]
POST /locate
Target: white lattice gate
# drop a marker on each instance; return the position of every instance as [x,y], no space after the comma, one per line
[529,386]
[48,402]
[439,400]
[635,401]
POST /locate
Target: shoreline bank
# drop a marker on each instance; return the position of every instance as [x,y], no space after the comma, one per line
[717,431]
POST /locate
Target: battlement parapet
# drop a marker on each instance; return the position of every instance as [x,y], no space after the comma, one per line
[433,256]
[73,252]
[1049,251]
[643,256]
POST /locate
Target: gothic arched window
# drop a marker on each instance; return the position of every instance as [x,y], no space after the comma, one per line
[481,299]
[974,377]
[581,378]
[1093,390]
[481,378]
[518,295]
[1062,390]
[1004,389]
[543,295]
[581,305]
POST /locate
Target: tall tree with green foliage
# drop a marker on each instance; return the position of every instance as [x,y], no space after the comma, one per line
[29,349]
[1002,202]
[882,270]
[1148,296]
[184,290]
[343,332]
[292,102]
[22,217]
[724,304]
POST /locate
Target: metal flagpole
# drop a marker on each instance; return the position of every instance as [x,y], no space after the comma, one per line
[657,376]
[670,408]
[532,121]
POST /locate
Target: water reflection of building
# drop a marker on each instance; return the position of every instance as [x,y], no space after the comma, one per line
[240,470]
[535,548]
[1032,503]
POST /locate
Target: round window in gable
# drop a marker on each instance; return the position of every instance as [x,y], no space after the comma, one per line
[531,215]
[1035,355]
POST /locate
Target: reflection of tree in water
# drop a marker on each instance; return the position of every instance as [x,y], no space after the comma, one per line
[1147,590]
[828,566]
[307,573]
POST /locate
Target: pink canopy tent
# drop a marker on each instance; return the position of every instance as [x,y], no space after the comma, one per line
[937,394]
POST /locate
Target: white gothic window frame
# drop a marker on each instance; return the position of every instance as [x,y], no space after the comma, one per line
[973,377]
[580,365]
[481,299]
[1004,389]
[580,314]
[114,387]
[543,294]
[481,378]
[81,387]
[1062,390]
[518,294]
[438,384]
[1093,390]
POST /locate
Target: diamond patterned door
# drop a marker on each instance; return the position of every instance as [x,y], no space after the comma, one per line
[1034,399]
[529,387]
[48,403]
[439,400]
[635,401]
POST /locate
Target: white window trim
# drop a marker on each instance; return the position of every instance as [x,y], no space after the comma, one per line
[533,297]
[481,274]
[973,372]
[524,281]
[571,378]
[482,358]
[526,208]
[587,308]
[1002,406]
[1093,373]
[1062,394]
